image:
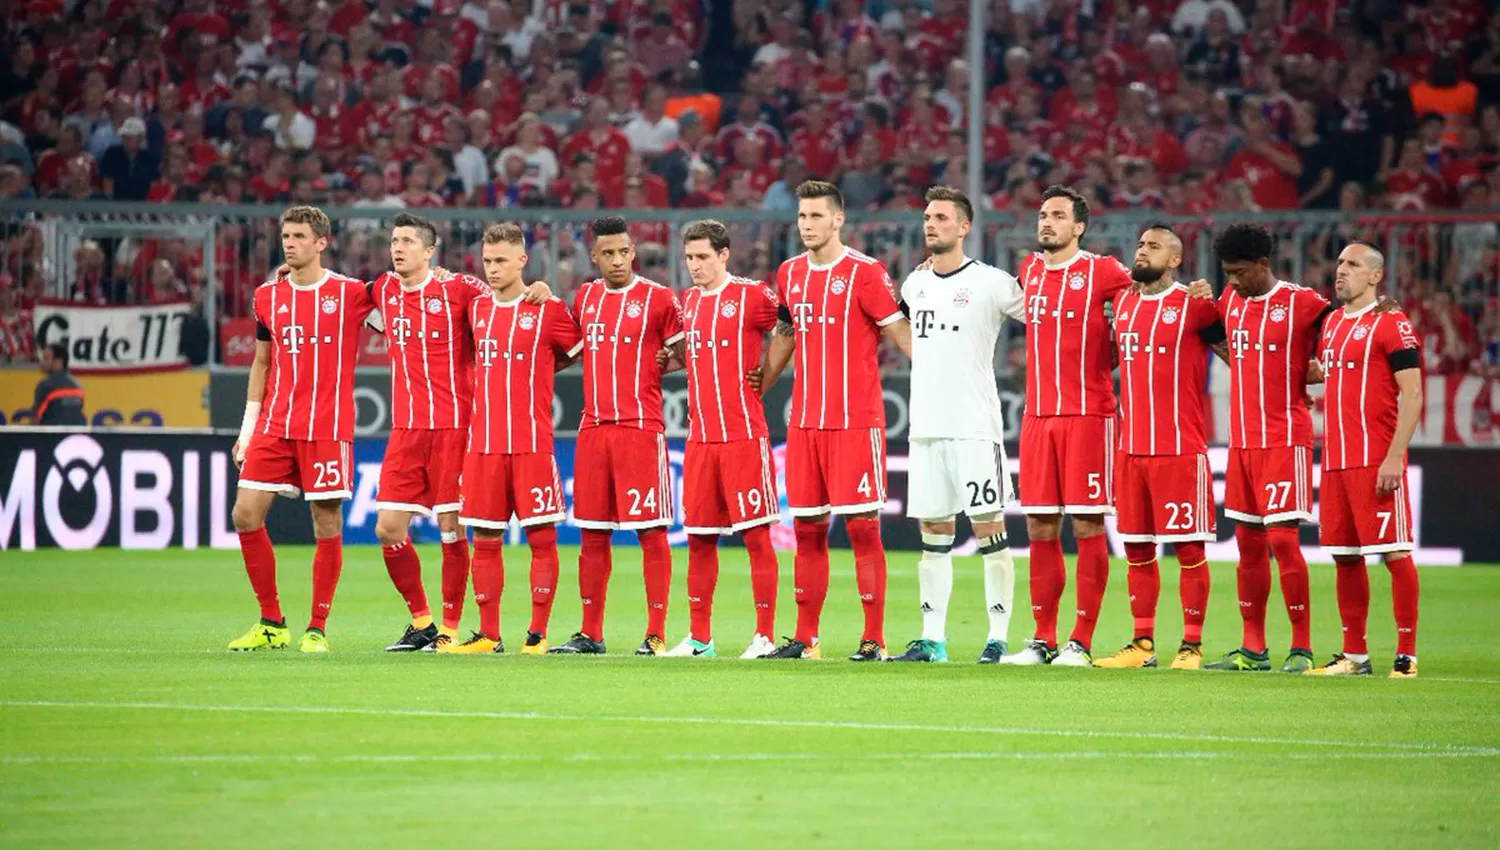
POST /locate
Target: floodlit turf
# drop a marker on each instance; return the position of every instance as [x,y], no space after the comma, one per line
[123,723]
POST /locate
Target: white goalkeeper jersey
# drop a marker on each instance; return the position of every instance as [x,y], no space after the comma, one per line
[955,323]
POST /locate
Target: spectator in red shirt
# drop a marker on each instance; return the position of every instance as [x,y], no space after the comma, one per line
[174,178]
[599,138]
[748,123]
[272,181]
[1449,342]
[749,160]
[817,141]
[1413,185]
[1267,166]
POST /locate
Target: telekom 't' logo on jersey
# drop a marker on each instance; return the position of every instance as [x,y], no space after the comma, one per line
[292,336]
[400,330]
[1239,342]
[594,335]
[1036,308]
[489,349]
[802,315]
[693,337]
[1130,343]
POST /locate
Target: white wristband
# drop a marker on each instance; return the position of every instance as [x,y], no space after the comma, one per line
[247,425]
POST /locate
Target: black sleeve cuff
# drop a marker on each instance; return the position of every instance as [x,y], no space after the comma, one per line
[1323,316]
[262,332]
[905,310]
[1405,358]
[783,313]
[1213,334]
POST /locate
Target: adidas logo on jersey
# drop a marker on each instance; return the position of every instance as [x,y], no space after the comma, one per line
[395,300]
[479,325]
[283,309]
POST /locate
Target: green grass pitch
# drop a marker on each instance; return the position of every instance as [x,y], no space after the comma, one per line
[123,723]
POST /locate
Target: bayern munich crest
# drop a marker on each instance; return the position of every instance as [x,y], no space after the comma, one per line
[330,305]
[1361,332]
[1278,314]
[961,298]
[527,322]
[1076,281]
[434,305]
[728,310]
[633,310]
[1169,316]
[837,286]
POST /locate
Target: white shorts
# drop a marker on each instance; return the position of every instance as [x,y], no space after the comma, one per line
[950,477]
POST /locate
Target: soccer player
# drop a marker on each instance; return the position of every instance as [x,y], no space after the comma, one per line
[956,307]
[432,354]
[1163,486]
[729,484]
[1272,327]
[298,438]
[1068,430]
[1372,401]
[624,482]
[835,304]
[509,469]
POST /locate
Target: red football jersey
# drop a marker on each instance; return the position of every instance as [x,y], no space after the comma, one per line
[1361,352]
[837,311]
[623,329]
[516,349]
[314,336]
[1163,370]
[725,328]
[1271,340]
[1068,336]
[431,350]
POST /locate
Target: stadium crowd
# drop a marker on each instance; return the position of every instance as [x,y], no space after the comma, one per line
[1183,107]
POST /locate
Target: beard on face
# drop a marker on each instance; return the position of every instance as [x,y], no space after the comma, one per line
[1051,243]
[1146,273]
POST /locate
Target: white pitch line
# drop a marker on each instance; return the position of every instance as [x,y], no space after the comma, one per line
[848,725]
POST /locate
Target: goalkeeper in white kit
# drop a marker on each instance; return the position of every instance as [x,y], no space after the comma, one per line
[957,305]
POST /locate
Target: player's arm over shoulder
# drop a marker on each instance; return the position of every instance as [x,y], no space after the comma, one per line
[1009,294]
[876,294]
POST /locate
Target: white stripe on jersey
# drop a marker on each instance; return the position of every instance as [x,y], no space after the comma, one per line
[510,343]
[453,389]
[848,302]
[1364,379]
[1177,385]
[276,383]
[426,363]
[406,362]
[536,342]
[639,351]
[802,373]
[739,350]
[1083,353]
[338,380]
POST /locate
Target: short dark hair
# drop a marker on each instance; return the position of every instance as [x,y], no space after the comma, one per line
[59,352]
[423,227]
[953,196]
[1164,227]
[1374,249]
[1244,243]
[1080,203]
[714,231]
[810,189]
[610,225]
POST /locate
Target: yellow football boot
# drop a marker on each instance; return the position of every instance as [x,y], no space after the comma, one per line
[536,644]
[1140,652]
[262,636]
[1404,668]
[1189,657]
[473,646]
[313,640]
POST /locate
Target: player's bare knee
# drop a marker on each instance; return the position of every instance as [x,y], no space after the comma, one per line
[864,515]
[489,533]
[248,514]
[1089,526]
[988,527]
[391,527]
[819,519]
[328,518]
[448,523]
[940,526]
[1044,526]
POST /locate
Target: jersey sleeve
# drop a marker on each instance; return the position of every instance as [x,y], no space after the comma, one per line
[1312,308]
[1203,318]
[367,306]
[669,318]
[875,298]
[1399,342]
[1009,296]
[764,308]
[562,329]
[1116,278]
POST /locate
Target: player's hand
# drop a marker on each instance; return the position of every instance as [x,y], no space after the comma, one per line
[756,378]
[282,272]
[924,265]
[1388,477]
[537,292]
[1386,304]
[1315,372]
[440,273]
[662,356]
[1200,288]
[237,454]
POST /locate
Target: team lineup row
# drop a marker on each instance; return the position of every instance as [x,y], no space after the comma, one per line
[472,384]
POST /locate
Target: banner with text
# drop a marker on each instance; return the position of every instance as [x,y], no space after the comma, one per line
[237,344]
[142,338]
[164,400]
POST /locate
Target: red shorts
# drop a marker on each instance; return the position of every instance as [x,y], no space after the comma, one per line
[621,479]
[421,470]
[315,469]
[728,487]
[499,486]
[1356,520]
[1165,498]
[1067,464]
[841,472]
[1269,485]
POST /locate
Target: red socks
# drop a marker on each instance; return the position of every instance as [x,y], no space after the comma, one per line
[1048,578]
[1293,567]
[489,583]
[869,573]
[1254,579]
[764,572]
[405,569]
[1143,579]
[810,574]
[1405,593]
[544,570]
[703,577]
[1352,582]
[1193,589]
[1093,578]
[455,582]
[328,562]
[656,562]
[260,566]
[594,564]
